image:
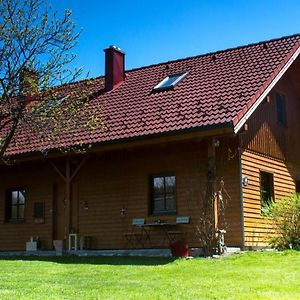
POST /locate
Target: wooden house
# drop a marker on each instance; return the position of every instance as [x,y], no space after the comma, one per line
[236,111]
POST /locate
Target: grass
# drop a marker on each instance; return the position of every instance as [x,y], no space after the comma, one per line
[251,275]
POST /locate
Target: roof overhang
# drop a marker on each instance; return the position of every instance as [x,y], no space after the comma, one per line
[239,121]
[217,130]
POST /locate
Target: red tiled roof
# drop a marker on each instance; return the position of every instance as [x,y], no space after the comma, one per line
[218,90]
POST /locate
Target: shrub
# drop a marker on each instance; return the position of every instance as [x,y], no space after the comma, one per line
[285,217]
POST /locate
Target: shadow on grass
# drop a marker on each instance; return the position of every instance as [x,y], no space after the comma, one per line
[95,260]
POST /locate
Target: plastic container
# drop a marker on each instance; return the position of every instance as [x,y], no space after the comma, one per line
[180,249]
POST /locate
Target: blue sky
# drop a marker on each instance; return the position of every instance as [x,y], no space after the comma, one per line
[155,31]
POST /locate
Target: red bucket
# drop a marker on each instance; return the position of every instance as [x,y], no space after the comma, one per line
[180,249]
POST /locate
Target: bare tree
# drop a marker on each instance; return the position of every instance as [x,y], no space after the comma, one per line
[35,45]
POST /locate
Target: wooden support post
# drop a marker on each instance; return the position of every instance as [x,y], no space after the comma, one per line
[68,199]
[211,180]
[68,178]
[216,217]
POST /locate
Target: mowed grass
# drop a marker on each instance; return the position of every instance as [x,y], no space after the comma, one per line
[251,275]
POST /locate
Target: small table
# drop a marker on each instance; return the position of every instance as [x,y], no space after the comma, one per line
[165,226]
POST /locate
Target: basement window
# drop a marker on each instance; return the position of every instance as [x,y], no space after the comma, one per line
[169,82]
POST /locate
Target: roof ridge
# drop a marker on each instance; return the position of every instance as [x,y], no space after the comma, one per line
[180,59]
[76,82]
[214,52]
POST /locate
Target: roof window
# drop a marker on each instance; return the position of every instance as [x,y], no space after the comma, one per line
[170,81]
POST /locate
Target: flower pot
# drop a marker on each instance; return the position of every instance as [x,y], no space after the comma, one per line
[179,249]
[58,245]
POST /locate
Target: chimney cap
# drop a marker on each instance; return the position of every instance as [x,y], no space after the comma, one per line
[114,48]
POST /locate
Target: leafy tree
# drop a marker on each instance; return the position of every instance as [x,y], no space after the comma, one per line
[35,45]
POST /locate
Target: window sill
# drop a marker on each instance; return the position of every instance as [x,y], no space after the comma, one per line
[163,213]
[16,221]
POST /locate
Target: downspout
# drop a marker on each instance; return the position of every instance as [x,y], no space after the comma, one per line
[241,195]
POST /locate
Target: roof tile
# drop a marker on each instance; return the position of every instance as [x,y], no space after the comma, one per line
[219,89]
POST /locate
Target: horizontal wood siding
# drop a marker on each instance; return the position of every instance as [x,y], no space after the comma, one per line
[109,182]
[228,168]
[112,182]
[37,181]
[272,147]
[257,229]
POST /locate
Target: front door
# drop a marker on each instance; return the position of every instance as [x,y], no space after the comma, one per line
[59,211]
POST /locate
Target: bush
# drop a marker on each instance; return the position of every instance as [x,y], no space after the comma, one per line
[285,217]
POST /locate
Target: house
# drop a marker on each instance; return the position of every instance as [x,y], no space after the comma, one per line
[166,128]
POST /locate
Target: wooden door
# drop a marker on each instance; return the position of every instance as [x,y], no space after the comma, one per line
[59,211]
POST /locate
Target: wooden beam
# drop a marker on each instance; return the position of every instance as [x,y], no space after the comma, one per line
[211,181]
[68,199]
[79,167]
[57,170]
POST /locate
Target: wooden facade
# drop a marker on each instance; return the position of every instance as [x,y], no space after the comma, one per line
[268,146]
[103,184]
[111,181]
[98,194]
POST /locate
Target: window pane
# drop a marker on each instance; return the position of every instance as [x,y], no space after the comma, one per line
[38,211]
[158,185]
[21,212]
[158,204]
[280,107]
[14,197]
[169,81]
[14,212]
[170,203]
[21,197]
[16,204]
[266,186]
[170,184]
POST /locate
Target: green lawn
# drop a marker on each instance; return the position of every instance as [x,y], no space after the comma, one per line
[255,275]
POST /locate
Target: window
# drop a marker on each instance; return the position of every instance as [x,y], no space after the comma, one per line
[280,108]
[169,82]
[266,188]
[15,205]
[297,185]
[163,194]
[38,210]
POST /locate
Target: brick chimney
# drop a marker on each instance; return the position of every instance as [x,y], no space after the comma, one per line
[29,85]
[114,67]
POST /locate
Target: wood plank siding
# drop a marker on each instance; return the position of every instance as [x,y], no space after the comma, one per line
[37,180]
[271,147]
[256,229]
[111,181]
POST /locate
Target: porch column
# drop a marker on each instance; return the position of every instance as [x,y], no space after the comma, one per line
[211,198]
[68,175]
[68,199]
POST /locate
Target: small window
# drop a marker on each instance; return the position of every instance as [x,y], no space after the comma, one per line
[169,82]
[266,188]
[15,205]
[297,186]
[39,210]
[281,110]
[163,194]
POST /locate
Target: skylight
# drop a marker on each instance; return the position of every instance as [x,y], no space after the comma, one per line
[170,81]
